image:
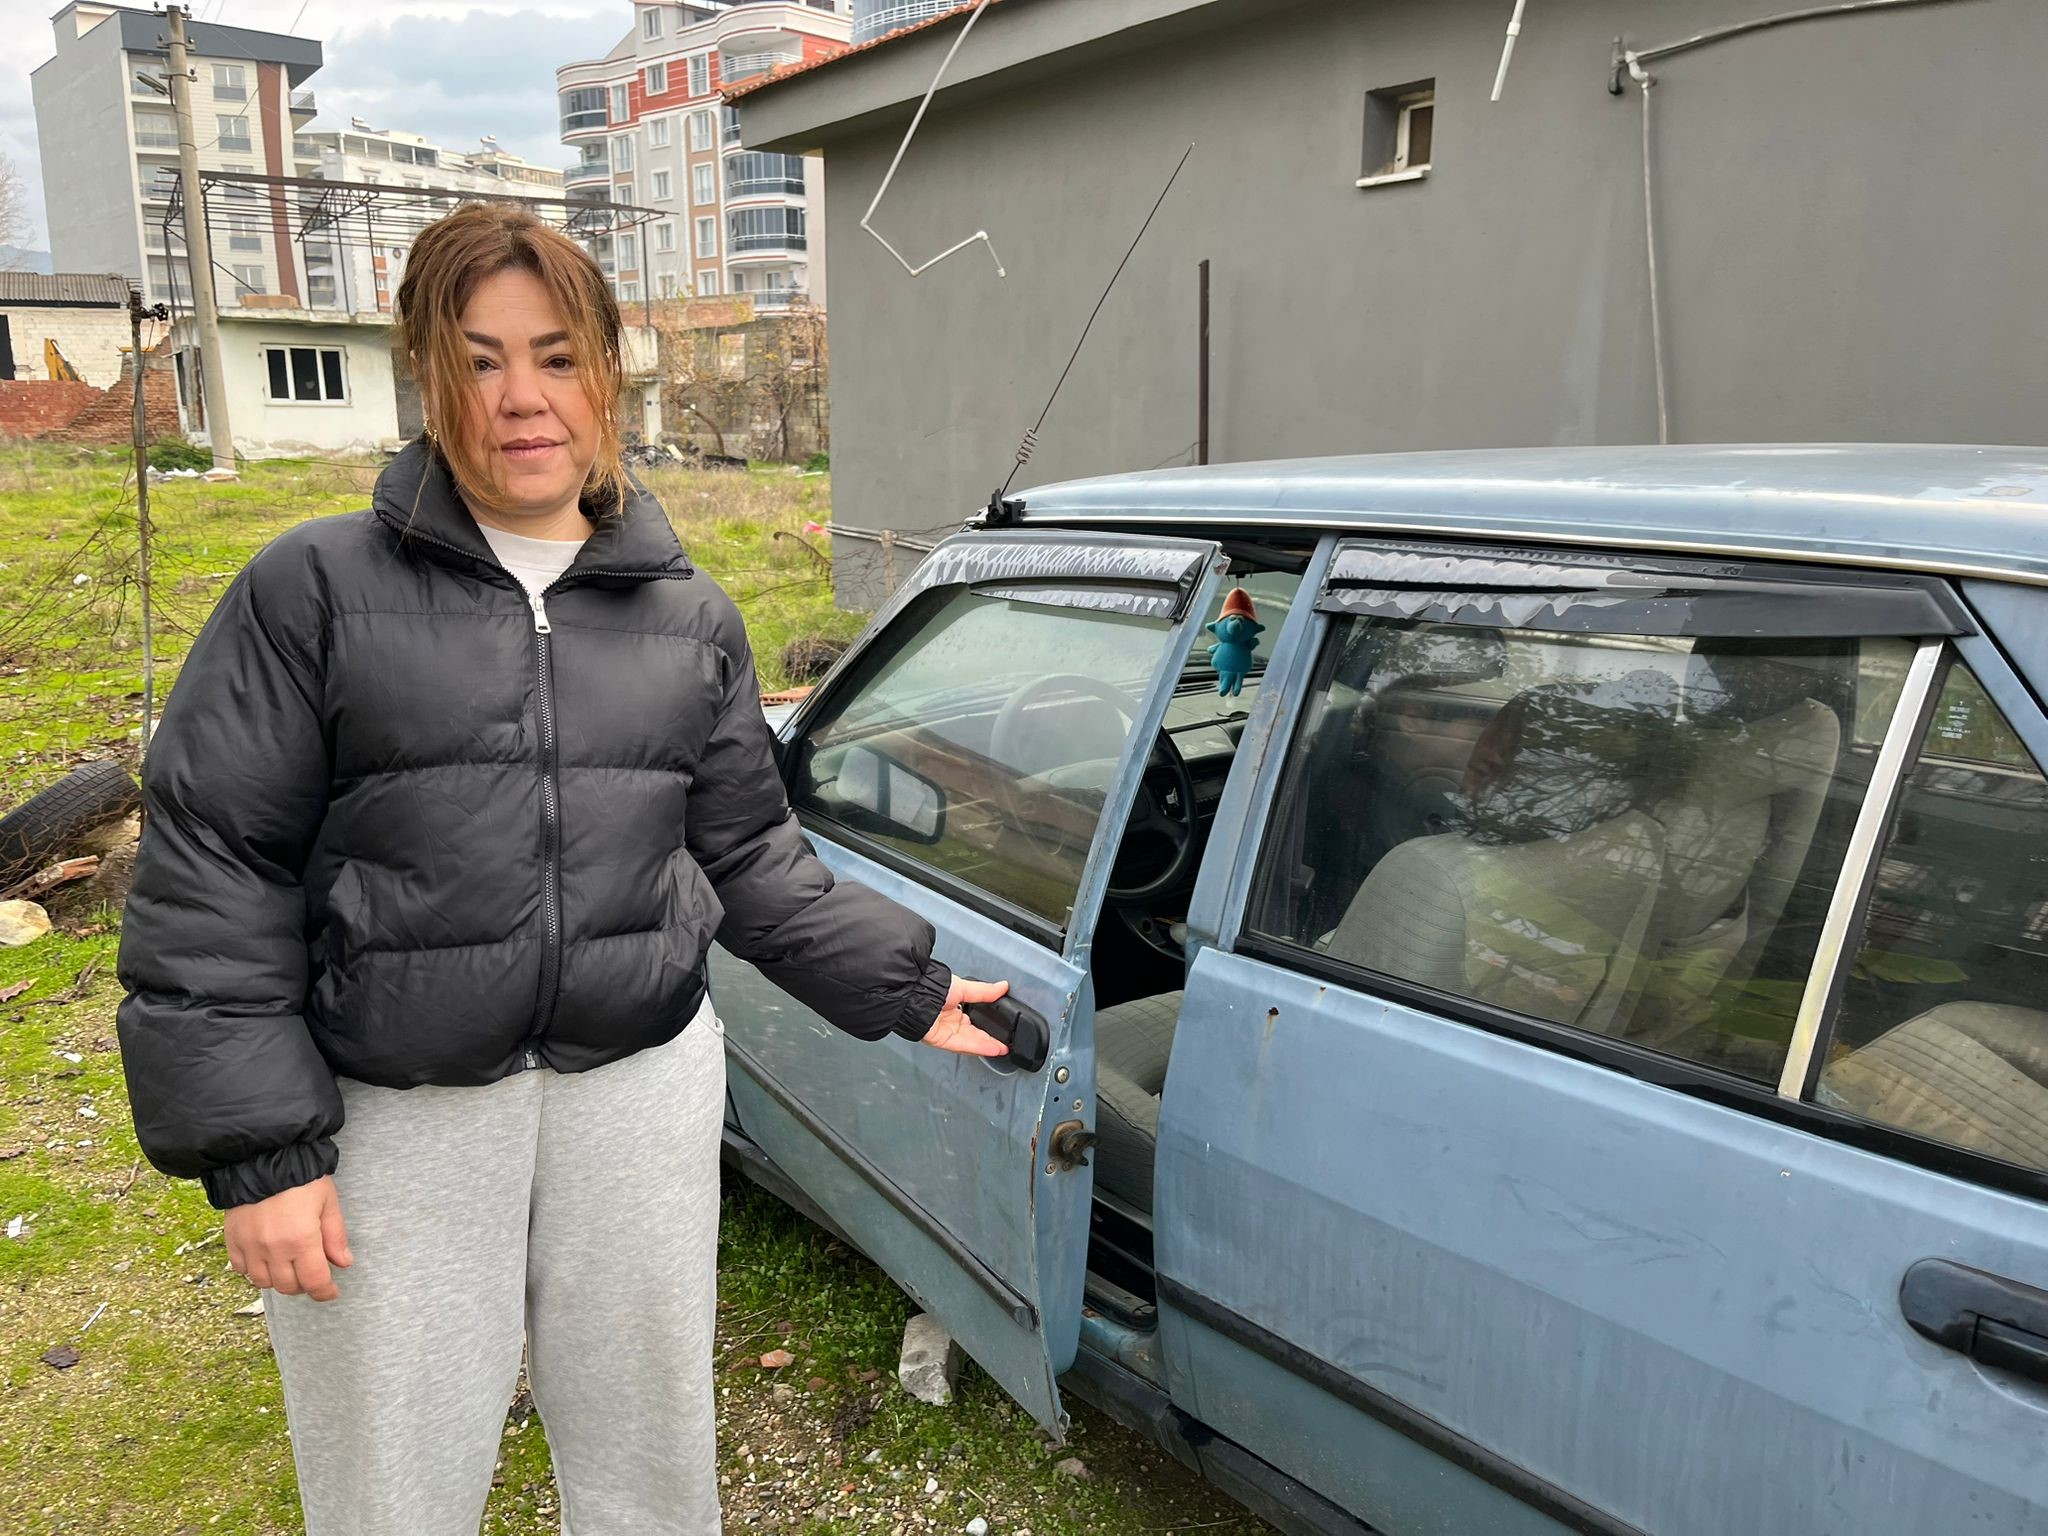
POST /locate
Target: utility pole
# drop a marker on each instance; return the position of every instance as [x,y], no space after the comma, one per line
[137,313]
[199,250]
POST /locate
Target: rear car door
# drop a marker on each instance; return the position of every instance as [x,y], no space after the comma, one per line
[974,758]
[1636,1119]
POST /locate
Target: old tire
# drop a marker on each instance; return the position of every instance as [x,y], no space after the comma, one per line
[43,827]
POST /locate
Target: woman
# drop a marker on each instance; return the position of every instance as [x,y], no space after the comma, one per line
[451,799]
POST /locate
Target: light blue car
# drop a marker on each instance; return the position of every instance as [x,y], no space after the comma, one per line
[1565,1050]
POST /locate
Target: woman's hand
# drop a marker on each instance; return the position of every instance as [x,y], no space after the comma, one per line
[951,1031]
[286,1243]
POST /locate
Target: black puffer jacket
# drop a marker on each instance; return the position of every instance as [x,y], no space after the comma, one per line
[408,828]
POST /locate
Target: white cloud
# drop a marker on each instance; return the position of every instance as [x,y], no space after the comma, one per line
[450,69]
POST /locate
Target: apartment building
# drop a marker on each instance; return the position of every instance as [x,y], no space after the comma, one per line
[649,129]
[109,146]
[878,18]
[354,259]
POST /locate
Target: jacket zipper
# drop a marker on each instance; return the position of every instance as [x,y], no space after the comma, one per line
[550,778]
[551,796]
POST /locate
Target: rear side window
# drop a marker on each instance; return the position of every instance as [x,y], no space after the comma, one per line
[1632,835]
[1943,1026]
[983,742]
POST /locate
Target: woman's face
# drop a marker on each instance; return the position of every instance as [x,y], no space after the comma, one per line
[535,419]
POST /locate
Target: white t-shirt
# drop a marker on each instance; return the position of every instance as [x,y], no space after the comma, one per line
[535,562]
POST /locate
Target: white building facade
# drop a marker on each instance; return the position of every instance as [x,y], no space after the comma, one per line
[109,147]
[650,130]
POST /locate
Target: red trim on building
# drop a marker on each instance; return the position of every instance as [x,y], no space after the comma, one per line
[807,63]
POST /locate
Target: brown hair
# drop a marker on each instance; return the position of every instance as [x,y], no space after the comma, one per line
[447,263]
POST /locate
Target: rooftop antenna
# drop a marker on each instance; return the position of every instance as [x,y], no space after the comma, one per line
[980,236]
[1001,510]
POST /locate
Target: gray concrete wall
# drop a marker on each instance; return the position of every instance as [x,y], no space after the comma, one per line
[1851,213]
[83,137]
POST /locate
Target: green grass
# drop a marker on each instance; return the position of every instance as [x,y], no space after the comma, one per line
[172,1419]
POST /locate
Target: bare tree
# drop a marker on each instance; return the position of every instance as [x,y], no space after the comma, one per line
[15,222]
[787,367]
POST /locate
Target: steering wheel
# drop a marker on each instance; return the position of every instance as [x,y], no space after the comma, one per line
[1169,814]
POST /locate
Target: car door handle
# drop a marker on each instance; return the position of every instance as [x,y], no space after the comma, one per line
[1995,1321]
[1020,1028]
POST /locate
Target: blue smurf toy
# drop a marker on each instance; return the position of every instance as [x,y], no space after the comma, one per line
[1237,630]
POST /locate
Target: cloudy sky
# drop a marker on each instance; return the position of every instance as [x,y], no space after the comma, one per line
[449,69]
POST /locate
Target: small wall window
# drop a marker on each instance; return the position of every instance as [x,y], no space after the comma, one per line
[664,186]
[228,83]
[700,74]
[707,284]
[1400,133]
[622,152]
[306,375]
[703,184]
[657,132]
[623,193]
[621,104]
[650,22]
[247,280]
[657,77]
[700,130]
[232,132]
[665,235]
[707,237]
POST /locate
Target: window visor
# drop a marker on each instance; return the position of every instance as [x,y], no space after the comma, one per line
[1573,591]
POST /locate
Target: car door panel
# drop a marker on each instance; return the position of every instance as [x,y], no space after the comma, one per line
[940,1166]
[1633,1300]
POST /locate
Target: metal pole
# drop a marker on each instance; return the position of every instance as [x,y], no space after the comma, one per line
[199,250]
[1202,376]
[136,312]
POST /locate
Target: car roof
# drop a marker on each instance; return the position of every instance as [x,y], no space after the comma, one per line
[1977,511]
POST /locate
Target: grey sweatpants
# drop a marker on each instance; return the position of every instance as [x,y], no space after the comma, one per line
[580,1211]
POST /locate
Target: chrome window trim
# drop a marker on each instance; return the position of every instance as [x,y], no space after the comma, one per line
[1844,922]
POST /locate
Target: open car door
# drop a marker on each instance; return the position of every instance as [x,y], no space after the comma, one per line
[976,757]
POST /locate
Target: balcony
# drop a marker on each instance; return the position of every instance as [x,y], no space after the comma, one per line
[752,173]
[587,173]
[903,14]
[585,110]
[742,66]
[302,105]
[775,298]
[771,243]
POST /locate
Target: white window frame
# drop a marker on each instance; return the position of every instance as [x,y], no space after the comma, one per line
[629,291]
[621,104]
[623,193]
[650,22]
[1406,109]
[342,399]
[702,128]
[665,235]
[668,285]
[707,283]
[663,190]
[654,78]
[622,152]
[657,132]
[223,133]
[241,271]
[700,74]
[703,185]
[229,83]
[707,247]
[626,250]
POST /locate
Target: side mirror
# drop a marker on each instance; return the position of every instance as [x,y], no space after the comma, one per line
[872,793]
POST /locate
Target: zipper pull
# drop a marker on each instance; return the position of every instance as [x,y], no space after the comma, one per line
[540,614]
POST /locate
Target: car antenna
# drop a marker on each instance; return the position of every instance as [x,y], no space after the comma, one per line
[1002,511]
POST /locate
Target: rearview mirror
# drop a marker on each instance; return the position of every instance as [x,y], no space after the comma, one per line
[876,794]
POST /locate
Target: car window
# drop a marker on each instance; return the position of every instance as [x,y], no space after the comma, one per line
[1942,1029]
[980,738]
[1631,835]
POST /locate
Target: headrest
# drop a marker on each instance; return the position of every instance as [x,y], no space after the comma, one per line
[1563,757]
[1753,679]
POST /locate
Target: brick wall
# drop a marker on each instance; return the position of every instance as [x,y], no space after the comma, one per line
[65,411]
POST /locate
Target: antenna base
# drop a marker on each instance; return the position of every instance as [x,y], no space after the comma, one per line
[1002,511]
